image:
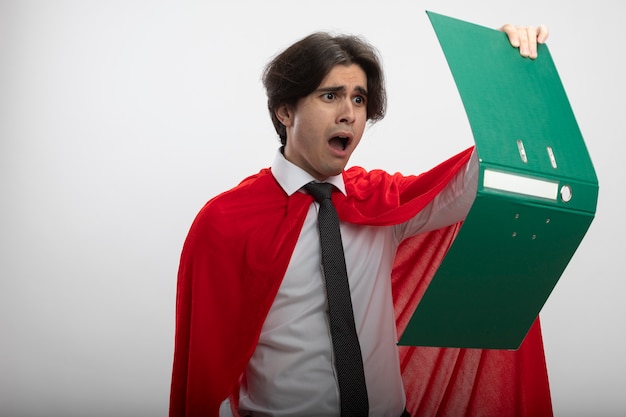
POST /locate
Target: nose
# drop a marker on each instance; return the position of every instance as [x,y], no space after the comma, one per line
[346,111]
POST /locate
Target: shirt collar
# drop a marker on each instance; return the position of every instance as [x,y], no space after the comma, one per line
[292,178]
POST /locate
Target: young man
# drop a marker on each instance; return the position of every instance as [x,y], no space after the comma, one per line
[252,304]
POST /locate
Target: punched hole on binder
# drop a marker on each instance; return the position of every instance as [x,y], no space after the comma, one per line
[551,156]
[522,151]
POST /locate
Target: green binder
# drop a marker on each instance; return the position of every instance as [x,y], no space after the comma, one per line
[536,198]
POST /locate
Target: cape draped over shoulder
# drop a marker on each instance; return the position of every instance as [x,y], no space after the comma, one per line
[234,259]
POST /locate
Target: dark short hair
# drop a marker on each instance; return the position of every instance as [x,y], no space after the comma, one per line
[301,68]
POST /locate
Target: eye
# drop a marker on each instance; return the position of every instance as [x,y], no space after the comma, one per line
[329,96]
[359,100]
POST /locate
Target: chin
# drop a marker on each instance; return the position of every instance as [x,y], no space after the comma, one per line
[336,171]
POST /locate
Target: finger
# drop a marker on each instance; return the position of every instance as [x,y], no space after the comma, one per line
[531,36]
[524,43]
[542,34]
[512,34]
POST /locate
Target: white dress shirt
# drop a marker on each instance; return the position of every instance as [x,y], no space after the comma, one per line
[291,372]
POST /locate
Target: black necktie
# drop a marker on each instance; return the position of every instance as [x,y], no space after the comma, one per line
[348,359]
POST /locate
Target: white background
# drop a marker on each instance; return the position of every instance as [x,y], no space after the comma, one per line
[119,119]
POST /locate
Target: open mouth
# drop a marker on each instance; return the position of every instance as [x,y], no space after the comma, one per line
[339,142]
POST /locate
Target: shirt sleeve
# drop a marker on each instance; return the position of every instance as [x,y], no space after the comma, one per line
[450,206]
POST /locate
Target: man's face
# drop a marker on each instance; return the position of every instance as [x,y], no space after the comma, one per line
[325,127]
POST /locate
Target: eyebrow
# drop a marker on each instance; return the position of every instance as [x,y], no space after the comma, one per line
[340,88]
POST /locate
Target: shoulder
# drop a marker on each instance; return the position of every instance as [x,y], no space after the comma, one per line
[240,202]
[358,179]
[257,201]
[361,176]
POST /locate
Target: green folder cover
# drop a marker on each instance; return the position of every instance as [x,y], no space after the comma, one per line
[536,198]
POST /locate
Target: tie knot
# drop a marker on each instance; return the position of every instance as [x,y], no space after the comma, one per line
[319,190]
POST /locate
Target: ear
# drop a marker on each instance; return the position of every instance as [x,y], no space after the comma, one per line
[285,114]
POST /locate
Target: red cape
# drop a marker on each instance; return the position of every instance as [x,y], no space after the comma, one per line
[233,262]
